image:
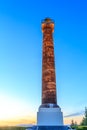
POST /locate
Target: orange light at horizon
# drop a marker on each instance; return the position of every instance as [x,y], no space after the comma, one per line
[76,119]
[32,120]
[18,121]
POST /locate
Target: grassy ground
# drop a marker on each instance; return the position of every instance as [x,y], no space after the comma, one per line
[82,128]
[12,128]
[24,128]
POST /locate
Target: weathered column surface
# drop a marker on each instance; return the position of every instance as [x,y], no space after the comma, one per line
[48,64]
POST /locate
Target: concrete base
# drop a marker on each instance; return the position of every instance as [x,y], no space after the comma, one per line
[49,117]
[49,128]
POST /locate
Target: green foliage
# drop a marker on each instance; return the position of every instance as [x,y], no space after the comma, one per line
[73,124]
[84,121]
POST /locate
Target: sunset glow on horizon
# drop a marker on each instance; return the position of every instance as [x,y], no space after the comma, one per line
[13,112]
[32,121]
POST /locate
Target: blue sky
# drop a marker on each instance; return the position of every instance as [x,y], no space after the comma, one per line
[21,53]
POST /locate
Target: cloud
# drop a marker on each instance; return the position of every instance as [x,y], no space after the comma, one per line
[75,114]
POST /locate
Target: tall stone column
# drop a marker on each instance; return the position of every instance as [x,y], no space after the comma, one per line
[48,64]
[49,113]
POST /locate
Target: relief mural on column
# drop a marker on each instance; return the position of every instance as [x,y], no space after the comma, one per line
[48,65]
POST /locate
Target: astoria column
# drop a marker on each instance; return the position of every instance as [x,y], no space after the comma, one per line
[49,112]
[48,64]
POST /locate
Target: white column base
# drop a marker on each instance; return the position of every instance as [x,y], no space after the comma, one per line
[49,117]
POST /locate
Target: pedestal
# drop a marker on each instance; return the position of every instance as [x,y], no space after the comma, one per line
[49,117]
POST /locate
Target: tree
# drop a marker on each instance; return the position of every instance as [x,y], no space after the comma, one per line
[72,123]
[85,115]
[84,120]
[75,123]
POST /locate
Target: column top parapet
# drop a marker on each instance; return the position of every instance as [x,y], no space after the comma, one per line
[47,20]
[47,23]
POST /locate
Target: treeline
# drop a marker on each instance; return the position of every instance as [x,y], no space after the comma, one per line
[83,124]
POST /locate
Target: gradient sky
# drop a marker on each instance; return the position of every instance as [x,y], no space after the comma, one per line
[21,55]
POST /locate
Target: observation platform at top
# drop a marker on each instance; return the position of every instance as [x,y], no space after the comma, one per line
[47,23]
[47,20]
